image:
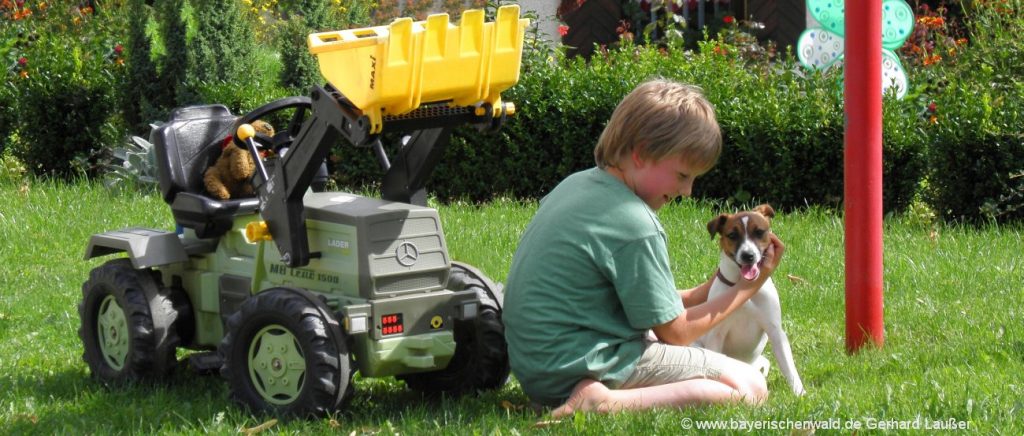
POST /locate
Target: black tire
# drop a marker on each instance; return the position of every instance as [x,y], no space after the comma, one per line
[480,362]
[127,326]
[300,365]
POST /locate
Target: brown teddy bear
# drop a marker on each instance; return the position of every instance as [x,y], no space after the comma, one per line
[230,174]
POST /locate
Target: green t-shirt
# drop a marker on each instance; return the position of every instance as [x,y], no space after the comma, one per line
[590,276]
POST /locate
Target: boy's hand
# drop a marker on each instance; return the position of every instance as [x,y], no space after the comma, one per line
[772,257]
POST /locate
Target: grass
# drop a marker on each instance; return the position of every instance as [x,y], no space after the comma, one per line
[954,341]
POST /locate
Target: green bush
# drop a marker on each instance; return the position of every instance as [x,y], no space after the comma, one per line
[300,69]
[976,146]
[8,109]
[222,49]
[66,90]
[977,154]
[142,99]
[173,18]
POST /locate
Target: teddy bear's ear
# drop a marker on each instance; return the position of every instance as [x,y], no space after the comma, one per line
[766,210]
[263,127]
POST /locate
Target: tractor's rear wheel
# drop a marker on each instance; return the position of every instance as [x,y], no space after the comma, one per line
[481,356]
[127,324]
[284,353]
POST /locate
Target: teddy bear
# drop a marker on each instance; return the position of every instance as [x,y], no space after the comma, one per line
[229,177]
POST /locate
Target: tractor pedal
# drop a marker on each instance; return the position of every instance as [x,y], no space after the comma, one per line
[207,362]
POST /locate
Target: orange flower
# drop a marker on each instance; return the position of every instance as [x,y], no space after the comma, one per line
[23,74]
[933,119]
[42,6]
[22,14]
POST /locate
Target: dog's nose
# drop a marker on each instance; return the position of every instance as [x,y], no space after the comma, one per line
[747,257]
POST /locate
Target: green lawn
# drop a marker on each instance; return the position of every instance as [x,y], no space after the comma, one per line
[953,353]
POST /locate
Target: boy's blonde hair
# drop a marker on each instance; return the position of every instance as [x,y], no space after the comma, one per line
[661,118]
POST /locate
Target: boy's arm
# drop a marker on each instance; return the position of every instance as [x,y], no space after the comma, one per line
[695,296]
[697,320]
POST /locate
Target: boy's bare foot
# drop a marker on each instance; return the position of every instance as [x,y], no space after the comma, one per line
[587,396]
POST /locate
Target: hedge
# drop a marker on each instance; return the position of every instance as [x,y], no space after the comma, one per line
[782,130]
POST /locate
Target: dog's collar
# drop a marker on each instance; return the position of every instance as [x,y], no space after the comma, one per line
[718,273]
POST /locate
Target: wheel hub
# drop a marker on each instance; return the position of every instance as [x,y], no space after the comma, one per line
[277,366]
[112,329]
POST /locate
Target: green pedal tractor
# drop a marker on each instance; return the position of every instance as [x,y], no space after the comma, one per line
[289,293]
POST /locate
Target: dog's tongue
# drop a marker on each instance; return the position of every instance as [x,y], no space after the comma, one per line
[750,272]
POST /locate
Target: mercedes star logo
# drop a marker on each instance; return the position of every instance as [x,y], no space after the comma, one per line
[407,254]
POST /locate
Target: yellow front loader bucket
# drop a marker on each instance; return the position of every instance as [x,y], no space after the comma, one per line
[392,70]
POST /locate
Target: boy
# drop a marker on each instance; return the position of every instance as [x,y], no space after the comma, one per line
[591,274]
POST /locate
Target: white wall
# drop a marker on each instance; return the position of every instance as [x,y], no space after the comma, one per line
[545,9]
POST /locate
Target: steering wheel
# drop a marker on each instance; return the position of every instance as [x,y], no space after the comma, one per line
[302,106]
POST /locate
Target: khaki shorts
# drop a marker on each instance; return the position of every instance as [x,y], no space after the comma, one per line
[662,364]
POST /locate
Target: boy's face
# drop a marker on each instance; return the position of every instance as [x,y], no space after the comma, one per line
[660,182]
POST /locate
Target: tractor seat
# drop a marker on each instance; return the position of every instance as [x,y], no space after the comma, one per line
[186,145]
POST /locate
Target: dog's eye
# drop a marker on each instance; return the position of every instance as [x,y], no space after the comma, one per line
[733,235]
[759,233]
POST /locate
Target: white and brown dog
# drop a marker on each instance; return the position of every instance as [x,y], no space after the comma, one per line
[743,335]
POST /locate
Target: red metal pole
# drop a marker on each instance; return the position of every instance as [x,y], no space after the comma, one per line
[863,173]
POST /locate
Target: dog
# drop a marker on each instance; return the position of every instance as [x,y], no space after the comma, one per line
[743,238]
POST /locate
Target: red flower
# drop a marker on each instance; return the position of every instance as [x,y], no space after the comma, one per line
[563,30]
[118,49]
[729,19]
[22,61]
[932,108]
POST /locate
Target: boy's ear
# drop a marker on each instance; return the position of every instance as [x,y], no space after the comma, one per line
[766,210]
[715,224]
[637,155]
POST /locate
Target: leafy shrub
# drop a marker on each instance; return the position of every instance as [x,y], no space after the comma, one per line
[222,48]
[976,148]
[7,112]
[300,69]
[133,166]
[175,17]
[141,98]
[65,90]
[977,151]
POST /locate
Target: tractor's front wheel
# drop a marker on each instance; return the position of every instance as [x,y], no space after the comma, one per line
[481,355]
[127,324]
[284,353]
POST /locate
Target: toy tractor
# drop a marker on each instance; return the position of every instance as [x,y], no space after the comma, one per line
[289,293]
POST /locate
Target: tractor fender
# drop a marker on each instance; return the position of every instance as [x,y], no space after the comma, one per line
[146,248]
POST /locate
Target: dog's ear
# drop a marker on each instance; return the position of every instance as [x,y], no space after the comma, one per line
[766,210]
[716,224]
